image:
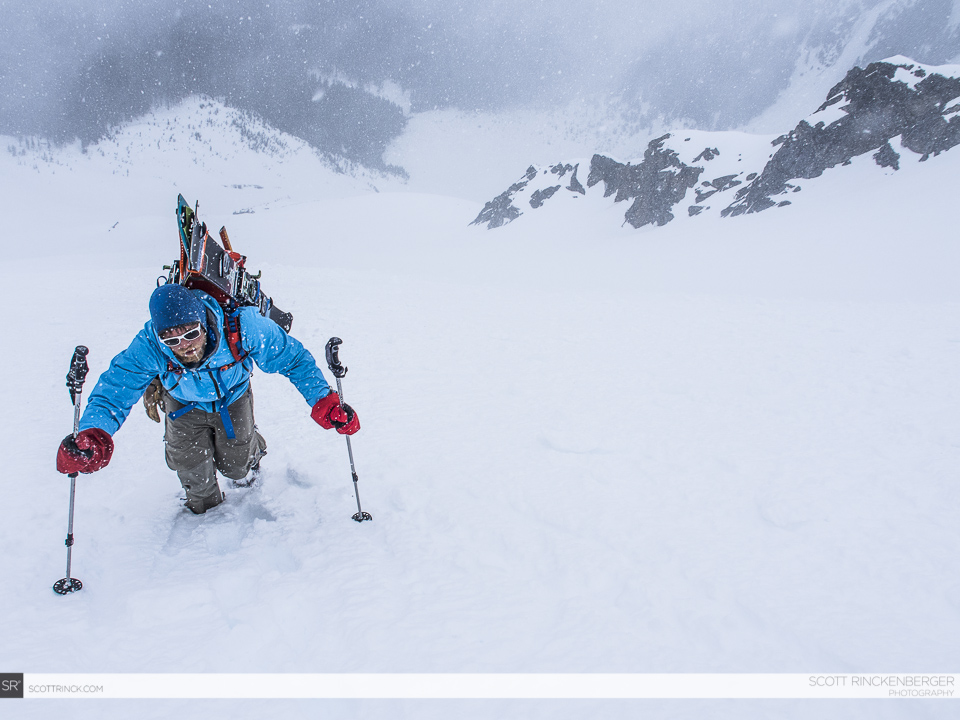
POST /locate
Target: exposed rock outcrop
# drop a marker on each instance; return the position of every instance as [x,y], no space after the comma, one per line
[885,100]
[655,185]
[886,109]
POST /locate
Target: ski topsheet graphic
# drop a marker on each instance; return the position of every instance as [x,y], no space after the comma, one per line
[216,269]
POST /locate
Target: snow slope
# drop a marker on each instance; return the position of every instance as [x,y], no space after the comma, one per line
[708,447]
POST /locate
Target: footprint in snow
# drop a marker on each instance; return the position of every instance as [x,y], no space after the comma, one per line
[296,479]
[219,531]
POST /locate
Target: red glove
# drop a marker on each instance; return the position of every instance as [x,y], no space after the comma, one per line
[89,452]
[328,414]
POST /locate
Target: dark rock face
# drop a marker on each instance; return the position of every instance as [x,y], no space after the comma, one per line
[541,196]
[711,187]
[878,108]
[886,156]
[498,211]
[655,185]
[574,185]
[501,209]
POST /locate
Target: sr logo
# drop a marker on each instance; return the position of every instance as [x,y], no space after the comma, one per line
[11,685]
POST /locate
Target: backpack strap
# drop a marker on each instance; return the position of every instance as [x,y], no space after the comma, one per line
[224,400]
[231,329]
[177,370]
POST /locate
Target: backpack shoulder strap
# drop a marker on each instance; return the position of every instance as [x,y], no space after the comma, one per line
[231,329]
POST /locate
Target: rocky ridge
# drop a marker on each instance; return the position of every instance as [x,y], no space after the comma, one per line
[887,108]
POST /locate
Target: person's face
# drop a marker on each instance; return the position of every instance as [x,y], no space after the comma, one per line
[187,350]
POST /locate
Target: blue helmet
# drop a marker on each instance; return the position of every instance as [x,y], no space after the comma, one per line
[172,305]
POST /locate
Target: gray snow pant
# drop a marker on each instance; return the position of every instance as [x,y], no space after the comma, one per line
[198,446]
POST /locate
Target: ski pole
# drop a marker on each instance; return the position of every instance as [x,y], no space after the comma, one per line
[75,378]
[338,370]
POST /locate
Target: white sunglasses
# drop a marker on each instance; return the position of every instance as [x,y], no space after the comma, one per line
[191,334]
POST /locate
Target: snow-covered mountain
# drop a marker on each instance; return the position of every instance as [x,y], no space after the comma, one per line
[348,77]
[892,109]
[199,136]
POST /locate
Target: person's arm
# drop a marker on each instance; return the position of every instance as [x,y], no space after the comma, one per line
[275,351]
[122,384]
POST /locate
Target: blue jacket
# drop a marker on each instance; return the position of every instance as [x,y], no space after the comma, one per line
[130,372]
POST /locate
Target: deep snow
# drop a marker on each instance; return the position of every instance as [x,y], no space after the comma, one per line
[717,446]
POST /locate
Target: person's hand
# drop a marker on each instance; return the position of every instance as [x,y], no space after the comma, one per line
[329,414]
[90,451]
[153,399]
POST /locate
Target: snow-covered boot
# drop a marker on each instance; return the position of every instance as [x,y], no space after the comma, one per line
[199,505]
[253,475]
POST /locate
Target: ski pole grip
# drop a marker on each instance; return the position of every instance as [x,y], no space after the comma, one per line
[333,360]
[78,371]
